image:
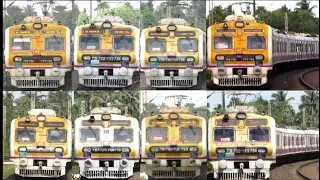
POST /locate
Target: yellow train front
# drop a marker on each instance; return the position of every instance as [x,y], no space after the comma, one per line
[242,145]
[40,144]
[106,52]
[172,54]
[174,145]
[239,51]
[37,53]
[107,144]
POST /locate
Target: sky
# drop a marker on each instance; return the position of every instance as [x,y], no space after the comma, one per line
[216,97]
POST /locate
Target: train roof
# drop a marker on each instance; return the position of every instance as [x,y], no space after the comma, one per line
[175,21]
[167,110]
[240,17]
[246,109]
[39,19]
[106,110]
[46,112]
[112,19]
[296,36]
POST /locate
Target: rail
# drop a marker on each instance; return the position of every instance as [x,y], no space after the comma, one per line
[303,81]
[300,167]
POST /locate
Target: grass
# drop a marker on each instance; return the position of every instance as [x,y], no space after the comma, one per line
[8,170]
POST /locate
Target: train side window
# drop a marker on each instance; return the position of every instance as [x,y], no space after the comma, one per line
[259,134]
[123,135]
[256,42]
[278,46]
[292,140]
[278,140]
[187,45]
[285,47]
[89,43]
[156,45]
[223,42]
[21,44]
[57,135]
[54,44]
[157,134]
[190,134]
[89,134]
[25,135]
[223,135]
[123,43]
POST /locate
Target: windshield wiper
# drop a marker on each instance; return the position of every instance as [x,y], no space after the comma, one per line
[120,130]
[95,135]
[194,133]
[22,41]
[261,130]
[259,38]
[225,37]
[55,37]
[88,39]
[27,132]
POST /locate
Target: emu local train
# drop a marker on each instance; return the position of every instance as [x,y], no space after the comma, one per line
[174,145]
[37,53]
[241,51]
[106,52]
[107,144]
[172,54]
[41,144]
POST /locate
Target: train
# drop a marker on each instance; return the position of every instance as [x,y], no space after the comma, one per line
[174,144]
[37,53]
[106,52]
[172,54]
[41,145]
[243,52]
[107,144]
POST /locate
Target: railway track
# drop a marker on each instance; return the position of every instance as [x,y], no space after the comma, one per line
[306,81]
[306,171]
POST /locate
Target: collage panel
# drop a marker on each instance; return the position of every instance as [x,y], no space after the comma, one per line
[262,45]
[173,134]
[173,45]
[252,134]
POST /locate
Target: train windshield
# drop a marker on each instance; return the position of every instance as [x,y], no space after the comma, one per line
[89,43]
[223,42]
[157,134]
[54,44]
[187,45]
[25,135]
[89,134]
[256,42]
[190,134]
[156,45]
[21,44]
[259,134]
[123,43]
[223,135]
[57,135]
[123,135]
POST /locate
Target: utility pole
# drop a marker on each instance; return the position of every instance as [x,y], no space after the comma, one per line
[33,99]
[254,8]
[286,25]
[91,9]
[69,110]
[269,108]
[83,108]
[51,7]
[4,129]
[304,117]
[223,100]
[169,9]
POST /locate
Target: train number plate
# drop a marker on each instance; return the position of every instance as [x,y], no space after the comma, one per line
[106,58]
[171,59]
[242,151]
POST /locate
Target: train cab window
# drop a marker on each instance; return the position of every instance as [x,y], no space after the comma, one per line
[123,135]
[25,135]
[258,134]
[223,42]
[157,134]
[187,45]
[156,45]
[256,42]
[57,135]
[21,44]
[190,134]
[123,43]
[89,43]
[223,135]
[89,134]
[54,44]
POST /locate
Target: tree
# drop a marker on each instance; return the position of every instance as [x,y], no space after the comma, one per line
[310,104]
[281,109]
[83,17]
[29,11]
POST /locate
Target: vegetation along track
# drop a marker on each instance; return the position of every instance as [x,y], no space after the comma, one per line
[308,79]
[309,171]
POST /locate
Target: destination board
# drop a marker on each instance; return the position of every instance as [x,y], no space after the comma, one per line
[226,30]
[184,122]
[185,33]
[119,123]
[253,30]
[51,32]
[120,31]
[165,149]
[24,31]
[92,31]
[230,122]
[53,124]
[159,34]
[108,58]
[92,123]
[256,122]
[28,124]
[43,149]
[106,149]
[159,122]
[243,150]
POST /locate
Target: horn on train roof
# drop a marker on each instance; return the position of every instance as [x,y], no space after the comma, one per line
[39,19]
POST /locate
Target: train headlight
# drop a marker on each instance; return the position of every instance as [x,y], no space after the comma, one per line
[159,117]
[18,59]
[86,58]
[124,163]
[221,150]
[188,72]
[222,71]
[37,25]
[257,70]
[241,116]
[55,72]
[193,149]
[87,70]
[172,28]
[86,149]
[27,119]
[156,162]
[57,59]
[259,163]
[41,117]
[190,59]
[225,25]
[92,26]
[23,27]
[259,57]
[106,25]
[58,149]
[154,72]
[23,162]
[19,72]
[154,149]
[153,59]
[105,117]
[223,164]
[261,150]
[158,29]
[22,149]
[88,163]
[239,24]
[125,149]
[192,162]
[125,58]
[56,162]
[220,57]
[173,116]
[123,71]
